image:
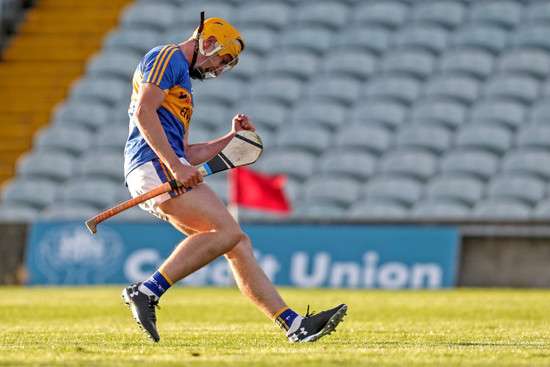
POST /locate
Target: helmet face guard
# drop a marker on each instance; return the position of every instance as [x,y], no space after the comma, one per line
[228,42]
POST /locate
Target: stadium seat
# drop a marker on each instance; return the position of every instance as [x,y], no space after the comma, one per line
[70,211]
[301,137]
[189,13]
[177,33]
[334,88]
[97,192]
[259,40]
[454,88]
[533,63]
[504,13]
[401,190]
[66,139]
[274,15]
[447,14]
[528,162]
[538,12]
[534,137]
[314,210]
[370,139]
[445,113]
[368,38]
[266,114]
[508,114]
[354,164]
[484,37]
[248,67]
[111,138]
[144,15]
[339,191]
[501,210]
[432,139]
[511,87]
[474,63]
[540,113]
[134,40]
[540,211]
[286,90]
[18,213]
[377,210]
[55,166]
[532,36]
[322,114]
[463,189]
[105,90]
[226,91]
[298,165]
[422,37]
[211,117]
[116,63]
[404,90]
[314,39]
[527,189]
[105,164]
[301,64]
[494,139]
[349,63]
[473,163]
[88,114]
[414,164]
[330,14]
[387,114]
[34,193]
[389,14]
[415,63]
[439,210]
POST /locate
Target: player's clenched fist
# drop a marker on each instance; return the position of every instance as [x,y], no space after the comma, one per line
[242,122]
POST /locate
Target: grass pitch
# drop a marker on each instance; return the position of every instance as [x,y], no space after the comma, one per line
[218,327]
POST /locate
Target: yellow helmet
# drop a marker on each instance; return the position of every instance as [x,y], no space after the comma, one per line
[229,39]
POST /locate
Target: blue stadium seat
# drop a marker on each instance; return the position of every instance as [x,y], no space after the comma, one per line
[116,63]
[88,114]
[398,189]
[415,63]
[400,89]
[315,210]
[286,90]
[447,14]
[368,38]
[274,15]
[369,139]
[18,213]
[349,63]
[189,13]
[491,138]
[319,114]
[259,40]
[248,66]
[528,162]
[387,114]
[446,113]
[493,209]
[534,137]
[475,63]
[70,211]
[298,165]
[330,14]
[538,12]
[508,114]
[439,210]
[540,113]
[136,40]
[417,165]
[314,39]
[226,91]
[511,87]
[463,189]
[504,13]
[34,193]
[377,210]
[354,164]
[532,36]
[301,64]
[212,116]
[106,90]
[97,192]
[533,63]
[266,114]
[541,210]
[300,137]
[527,189]
[108,164]
[111,138]
[484,37]
[144,15]
[432,139]
[477,164]
[454,88]
[340,191]
[389,14]
[55,166]
[423,37]
[73,140]
[334,88]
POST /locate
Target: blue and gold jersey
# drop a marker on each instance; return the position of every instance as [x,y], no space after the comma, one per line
[166,67]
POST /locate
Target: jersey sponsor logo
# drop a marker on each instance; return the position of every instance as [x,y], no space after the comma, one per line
[179,102]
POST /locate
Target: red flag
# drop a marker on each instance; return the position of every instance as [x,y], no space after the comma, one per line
[258,190]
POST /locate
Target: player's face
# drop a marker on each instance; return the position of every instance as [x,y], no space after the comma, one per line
[216,65]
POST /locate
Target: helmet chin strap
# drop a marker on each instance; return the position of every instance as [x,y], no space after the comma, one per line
[195,73]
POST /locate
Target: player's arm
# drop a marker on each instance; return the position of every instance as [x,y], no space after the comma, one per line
[201,152]
[147,120]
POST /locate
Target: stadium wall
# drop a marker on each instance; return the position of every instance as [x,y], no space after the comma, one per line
[491,255]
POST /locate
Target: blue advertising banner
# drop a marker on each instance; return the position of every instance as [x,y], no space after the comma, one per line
[336,256]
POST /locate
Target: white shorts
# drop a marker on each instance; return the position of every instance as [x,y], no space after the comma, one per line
[151,175]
